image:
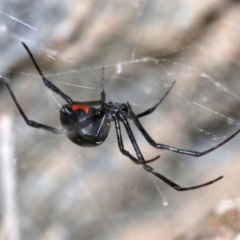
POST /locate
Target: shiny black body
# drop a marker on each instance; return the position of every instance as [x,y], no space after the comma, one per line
[87,125]
[86,129]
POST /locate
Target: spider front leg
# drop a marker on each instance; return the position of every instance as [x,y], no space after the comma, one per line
[134,117]
[150,169]
[45,80]
[30,122]
[55,89]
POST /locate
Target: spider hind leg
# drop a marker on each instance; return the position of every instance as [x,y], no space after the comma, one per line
[153,171]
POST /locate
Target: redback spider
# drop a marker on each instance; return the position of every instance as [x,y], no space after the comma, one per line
[88,126]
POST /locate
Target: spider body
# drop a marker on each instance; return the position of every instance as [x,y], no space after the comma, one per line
[88,126]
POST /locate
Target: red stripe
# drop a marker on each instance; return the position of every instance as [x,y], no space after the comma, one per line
[77,107]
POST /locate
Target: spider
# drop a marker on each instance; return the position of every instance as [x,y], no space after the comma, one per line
[88,126]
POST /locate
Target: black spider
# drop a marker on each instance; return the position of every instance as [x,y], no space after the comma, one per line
[88,126]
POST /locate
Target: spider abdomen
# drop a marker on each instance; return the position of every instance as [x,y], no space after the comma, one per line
[84,125]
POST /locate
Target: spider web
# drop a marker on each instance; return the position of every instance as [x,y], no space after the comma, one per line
[62,191]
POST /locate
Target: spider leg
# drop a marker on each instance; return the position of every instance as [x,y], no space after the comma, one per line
[133,117]
[30,122]
[174,185]
[153,171]
[45,80]
[150,110]
[121,146]
[103,95]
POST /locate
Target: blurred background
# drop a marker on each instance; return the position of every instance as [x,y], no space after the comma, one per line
[61,191]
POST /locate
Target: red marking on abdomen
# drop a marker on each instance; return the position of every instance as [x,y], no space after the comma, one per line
[76,107]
